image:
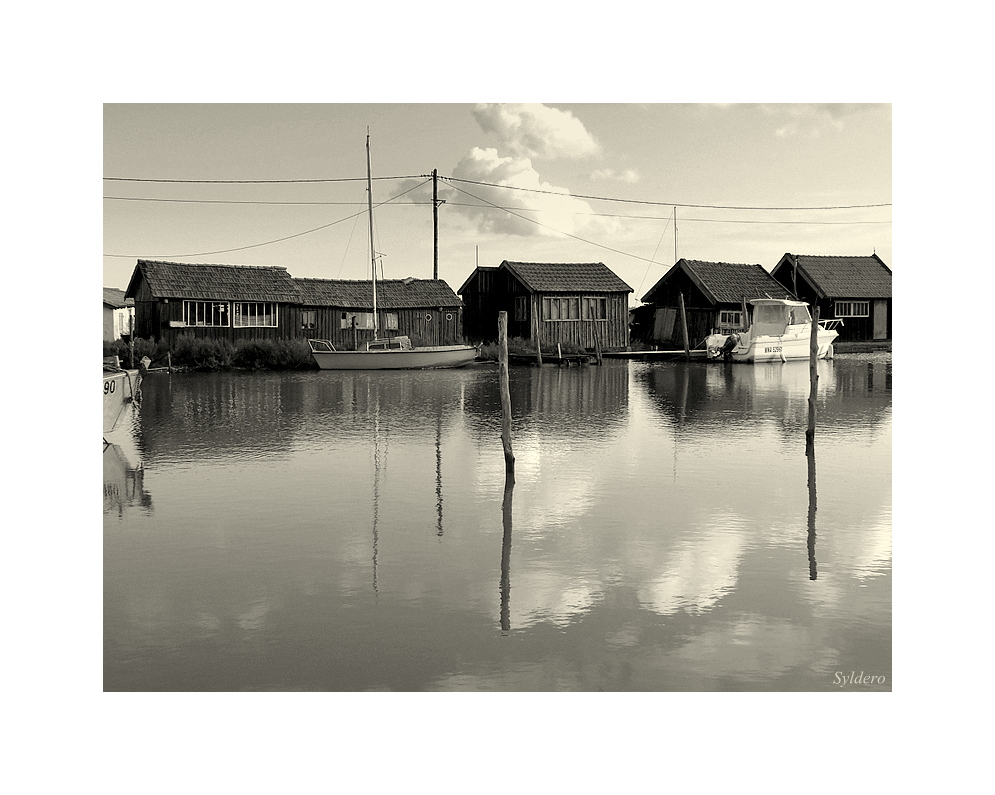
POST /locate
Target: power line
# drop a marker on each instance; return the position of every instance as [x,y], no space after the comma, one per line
[270,242]
[661,203]
[254,181]
[479,206]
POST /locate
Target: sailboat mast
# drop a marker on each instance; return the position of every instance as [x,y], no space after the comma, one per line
[373,253]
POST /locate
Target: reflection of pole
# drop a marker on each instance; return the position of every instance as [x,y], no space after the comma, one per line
[438,470]
[509,456]
[813,364]
[810,453]
[509,487]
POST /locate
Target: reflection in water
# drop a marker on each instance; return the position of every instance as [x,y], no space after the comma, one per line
[810,454]
[253,573]
[124,480]
[509,487]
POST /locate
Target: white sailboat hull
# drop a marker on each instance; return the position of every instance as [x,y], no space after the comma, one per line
[427,358]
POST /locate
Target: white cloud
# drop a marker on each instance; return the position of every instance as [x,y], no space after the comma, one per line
[629,176]
[554,208]
[534,130]
[812,121]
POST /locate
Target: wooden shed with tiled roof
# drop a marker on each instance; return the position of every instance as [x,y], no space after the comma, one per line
[341,311]
[230,302]
[854,289]
[715,296]
[118,314]
[582,304]
[246,302]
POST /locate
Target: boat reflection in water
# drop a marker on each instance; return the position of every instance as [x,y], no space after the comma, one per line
[124,471]
[344,530]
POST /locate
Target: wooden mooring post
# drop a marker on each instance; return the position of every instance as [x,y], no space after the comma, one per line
[597,342]
[684,328]
[509,456]
[537,326]
[813,392]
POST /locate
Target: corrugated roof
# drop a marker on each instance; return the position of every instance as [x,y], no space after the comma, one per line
[115,298]
[567,277]
[391,293]
[844,277]
[216,282]
[726,282]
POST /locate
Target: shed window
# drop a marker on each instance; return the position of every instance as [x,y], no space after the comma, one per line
[853,308]
[730,319]
[595,308]
[205,313]
[309,319]
[561,308]
[254,313]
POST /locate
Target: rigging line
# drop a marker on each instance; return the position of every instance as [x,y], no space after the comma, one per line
[567,234]
[658,244]
[254,181]
[270,242]
[662,203]
[216,201]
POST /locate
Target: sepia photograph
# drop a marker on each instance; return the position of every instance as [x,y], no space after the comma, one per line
[497,397]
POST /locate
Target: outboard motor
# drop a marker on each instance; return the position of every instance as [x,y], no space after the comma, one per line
[731,342]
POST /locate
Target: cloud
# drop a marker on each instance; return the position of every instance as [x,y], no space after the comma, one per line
[554,208]
[812,121]
[536,131]
[629,176]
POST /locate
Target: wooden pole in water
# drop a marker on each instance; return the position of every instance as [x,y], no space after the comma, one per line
[684,328]
[813,365]
[509,456]
[597,341]
[537,324]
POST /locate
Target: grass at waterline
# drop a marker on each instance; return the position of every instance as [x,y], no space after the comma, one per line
[199,354]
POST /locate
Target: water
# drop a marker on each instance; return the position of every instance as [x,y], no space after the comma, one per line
[352,531]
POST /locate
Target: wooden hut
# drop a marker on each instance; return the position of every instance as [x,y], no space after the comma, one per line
[576,304]
[715,296]
[118,314]
[341,311]
[856,290]
[219,302]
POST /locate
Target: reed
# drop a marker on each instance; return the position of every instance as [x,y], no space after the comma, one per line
[213,355]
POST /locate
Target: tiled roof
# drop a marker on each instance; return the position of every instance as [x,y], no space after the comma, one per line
[567,277]
[726,282]
[216,282]
[115,298]
[843,277]
[391,293]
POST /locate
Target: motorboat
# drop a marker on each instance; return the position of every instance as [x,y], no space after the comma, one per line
[781,330]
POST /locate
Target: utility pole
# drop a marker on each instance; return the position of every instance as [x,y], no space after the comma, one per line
[435,222]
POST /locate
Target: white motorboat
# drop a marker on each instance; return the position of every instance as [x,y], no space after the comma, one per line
[781,331]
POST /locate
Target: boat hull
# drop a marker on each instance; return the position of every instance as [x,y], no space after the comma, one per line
[429,358]
[119,392]
[784,349]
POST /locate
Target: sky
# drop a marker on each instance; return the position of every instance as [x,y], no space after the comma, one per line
[538,182]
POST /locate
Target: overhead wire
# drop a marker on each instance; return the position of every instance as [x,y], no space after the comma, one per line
[277,240]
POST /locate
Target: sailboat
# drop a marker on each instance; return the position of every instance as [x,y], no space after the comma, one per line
[393,353]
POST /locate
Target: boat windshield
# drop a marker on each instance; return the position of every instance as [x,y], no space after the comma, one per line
[771,319]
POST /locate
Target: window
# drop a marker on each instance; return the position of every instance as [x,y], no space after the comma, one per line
[309,319]
[205,313]
[853,308]
[254,313]
[561,308]
[730,319]
[595,308]
[364,320]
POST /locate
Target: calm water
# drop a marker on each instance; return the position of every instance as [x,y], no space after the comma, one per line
[352,531]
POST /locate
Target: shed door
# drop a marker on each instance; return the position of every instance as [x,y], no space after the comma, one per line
[880,319]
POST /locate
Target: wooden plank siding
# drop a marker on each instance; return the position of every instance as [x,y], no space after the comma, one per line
[490,290]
